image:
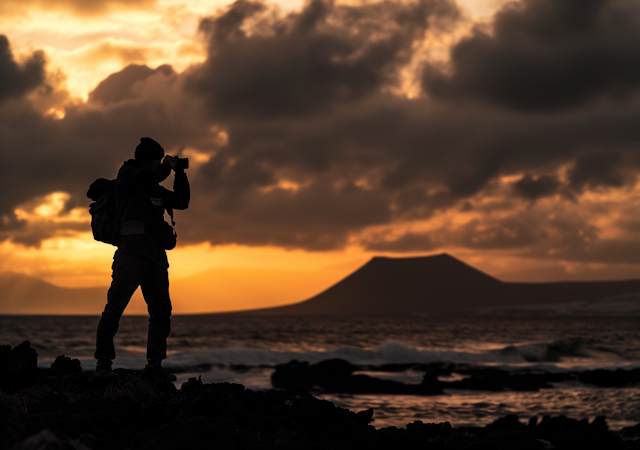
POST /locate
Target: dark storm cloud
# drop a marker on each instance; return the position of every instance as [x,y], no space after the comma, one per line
[42,154]
[600,169]
[557,230]
[534,188]
[310,61]
[411,157]
[476,234]
[547,55]
[16,80]
[303,143]
[408,242]
[119,86]
[318,217]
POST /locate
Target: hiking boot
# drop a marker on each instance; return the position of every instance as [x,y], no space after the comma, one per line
[155,371]
[103,369]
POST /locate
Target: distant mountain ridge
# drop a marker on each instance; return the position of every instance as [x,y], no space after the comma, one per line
[216,288]
[430,285]
[22,294]
[440,284]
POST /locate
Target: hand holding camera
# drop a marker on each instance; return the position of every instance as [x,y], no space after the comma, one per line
[177,164]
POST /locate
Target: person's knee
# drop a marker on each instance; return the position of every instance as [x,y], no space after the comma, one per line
[109,324]
[160,312]
[158,303]
[114,309]
[111,313]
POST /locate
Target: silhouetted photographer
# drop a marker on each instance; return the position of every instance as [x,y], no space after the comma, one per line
[129,212]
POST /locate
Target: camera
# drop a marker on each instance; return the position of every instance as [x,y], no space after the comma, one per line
[183,163]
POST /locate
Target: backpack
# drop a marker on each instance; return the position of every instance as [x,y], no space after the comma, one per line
[104,218]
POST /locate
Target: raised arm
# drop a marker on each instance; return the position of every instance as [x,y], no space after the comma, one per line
[181,191]
[135,175]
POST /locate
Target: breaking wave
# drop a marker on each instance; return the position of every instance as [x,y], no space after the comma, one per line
[554,351]
[387,353]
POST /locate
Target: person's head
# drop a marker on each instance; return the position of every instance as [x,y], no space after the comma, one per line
[148,150]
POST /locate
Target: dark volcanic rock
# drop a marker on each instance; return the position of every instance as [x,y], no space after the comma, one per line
[65,409]
[293,375]
[631,432]
[488,379]
[336,375]
[610,378]
[79,412]
[18,365]
[63,365]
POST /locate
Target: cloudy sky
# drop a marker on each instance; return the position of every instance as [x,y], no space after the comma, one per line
[323,133]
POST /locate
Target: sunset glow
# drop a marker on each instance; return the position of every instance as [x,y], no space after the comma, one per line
[312,153]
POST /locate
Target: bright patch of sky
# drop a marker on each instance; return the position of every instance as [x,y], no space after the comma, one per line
[86,49]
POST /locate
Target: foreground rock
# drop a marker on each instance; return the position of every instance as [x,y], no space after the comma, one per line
[62,408]
[18,365]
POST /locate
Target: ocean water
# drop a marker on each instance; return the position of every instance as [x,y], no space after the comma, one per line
[246,349]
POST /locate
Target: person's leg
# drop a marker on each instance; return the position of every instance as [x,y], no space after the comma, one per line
[128,271]
[155,289]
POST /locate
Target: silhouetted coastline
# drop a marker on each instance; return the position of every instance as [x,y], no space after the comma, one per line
[443,285]
[64,407]
[337,376]
[429,286]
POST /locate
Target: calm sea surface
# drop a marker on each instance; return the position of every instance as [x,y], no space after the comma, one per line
[245,350]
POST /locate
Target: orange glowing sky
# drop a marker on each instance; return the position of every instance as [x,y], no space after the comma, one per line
[85,42]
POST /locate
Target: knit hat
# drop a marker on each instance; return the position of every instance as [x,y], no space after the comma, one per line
[148,150]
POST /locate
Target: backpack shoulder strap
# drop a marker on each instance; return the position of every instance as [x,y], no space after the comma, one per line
[170,211]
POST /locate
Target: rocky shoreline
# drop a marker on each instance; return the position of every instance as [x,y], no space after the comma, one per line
[340,376]
[66,408]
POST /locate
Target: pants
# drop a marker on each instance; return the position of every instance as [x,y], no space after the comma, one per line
[129,272]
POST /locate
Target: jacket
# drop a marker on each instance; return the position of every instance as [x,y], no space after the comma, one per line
[142,204]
